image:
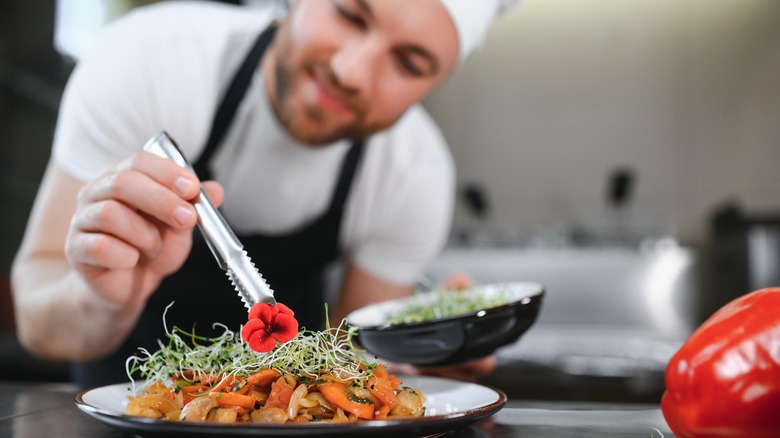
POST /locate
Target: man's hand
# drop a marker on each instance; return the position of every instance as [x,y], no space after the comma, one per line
[133,226]
[470,371]
[459,280]
[92,254]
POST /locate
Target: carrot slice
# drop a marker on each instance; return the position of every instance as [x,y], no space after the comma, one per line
[382,413]
[281,392]
[231,399]
[336,393]
[158,388]
[223,383]
[383,389]
[380,371]
[191,392]
[263,377]
[394,381]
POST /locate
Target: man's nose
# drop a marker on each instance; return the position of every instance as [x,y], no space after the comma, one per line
[355,64]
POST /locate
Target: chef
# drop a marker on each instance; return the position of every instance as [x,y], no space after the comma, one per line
[305,128]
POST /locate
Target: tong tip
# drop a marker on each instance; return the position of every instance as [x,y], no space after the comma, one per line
[250,297]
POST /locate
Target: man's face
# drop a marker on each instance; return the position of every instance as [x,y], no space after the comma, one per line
[349,68]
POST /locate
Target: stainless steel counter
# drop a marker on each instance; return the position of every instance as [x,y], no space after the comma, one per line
[31,410]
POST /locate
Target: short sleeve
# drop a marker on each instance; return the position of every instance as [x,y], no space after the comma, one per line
[160,67]
[412,224]
[105,110]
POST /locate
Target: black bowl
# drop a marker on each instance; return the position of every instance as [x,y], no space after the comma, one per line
[450,340]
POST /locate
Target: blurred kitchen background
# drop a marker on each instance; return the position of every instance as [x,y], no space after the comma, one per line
[624,153]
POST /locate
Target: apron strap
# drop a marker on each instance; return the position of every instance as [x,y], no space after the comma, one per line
[230,101]
[348,169]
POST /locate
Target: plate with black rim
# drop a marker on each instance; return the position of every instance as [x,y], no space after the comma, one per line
[452,339]
[449,405]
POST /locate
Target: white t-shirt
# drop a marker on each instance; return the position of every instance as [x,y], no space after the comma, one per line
[165,67]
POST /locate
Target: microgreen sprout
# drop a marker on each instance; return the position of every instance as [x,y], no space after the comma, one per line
[445,302]
[307,356]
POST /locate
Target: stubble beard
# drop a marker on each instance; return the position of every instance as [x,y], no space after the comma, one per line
[303,125]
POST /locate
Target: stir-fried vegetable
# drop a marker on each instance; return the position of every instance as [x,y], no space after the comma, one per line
[285,398]
[316,376]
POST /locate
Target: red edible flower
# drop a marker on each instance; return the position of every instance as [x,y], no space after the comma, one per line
[268,325]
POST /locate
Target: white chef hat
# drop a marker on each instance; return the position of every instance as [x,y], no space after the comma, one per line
[472,20]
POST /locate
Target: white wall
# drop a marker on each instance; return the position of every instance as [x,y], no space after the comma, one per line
[685,92]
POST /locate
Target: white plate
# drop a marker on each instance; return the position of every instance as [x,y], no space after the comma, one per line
[449,404]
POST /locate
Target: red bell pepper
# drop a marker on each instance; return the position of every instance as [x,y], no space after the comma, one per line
[725,379]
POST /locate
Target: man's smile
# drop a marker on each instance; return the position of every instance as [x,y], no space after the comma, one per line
[328,95]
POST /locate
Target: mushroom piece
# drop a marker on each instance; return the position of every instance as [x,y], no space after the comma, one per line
[151,406]
[198,409]
[269,415]
[300,393]
[223,415]
[410,404]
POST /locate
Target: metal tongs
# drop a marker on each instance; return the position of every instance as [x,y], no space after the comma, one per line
[223,243]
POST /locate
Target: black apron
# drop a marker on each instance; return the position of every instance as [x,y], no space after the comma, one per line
[293,264]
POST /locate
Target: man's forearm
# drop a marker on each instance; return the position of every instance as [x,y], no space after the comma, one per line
[59,318]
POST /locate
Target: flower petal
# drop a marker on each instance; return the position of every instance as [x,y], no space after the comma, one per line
[250,327]
[268,324]
[254,311]
[261,341]
[284,328]
[284,310]
[263,311]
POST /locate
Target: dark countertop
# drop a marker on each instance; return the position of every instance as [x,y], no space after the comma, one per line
[32,410]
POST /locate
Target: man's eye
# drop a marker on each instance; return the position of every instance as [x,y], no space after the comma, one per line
[408,66]
[350,16]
